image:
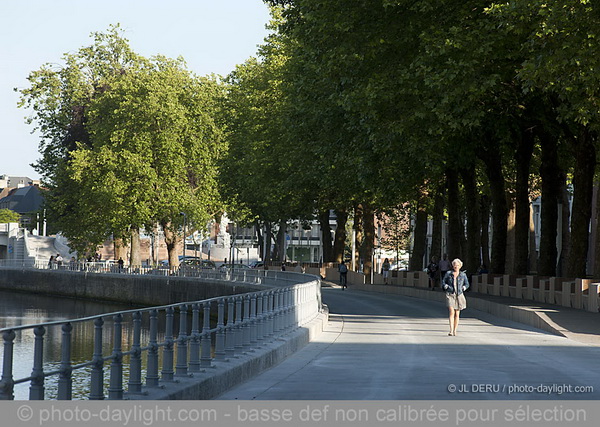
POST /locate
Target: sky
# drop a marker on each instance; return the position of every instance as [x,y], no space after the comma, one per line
[213,36]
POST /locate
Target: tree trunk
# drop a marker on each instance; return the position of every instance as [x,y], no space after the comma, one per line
[120,249]
[279,252]
[565,235]
[135,258]
[597,235]
[358,236]
[438,220]
[455,225]
[339,243]
[472,252]
[369,241]
[172,241]
[326,236]
[533,264]
[523,163]
[260,239]
[484,204]
[509,267]
[417,259]
[493,168]
[583,184]
[549,172]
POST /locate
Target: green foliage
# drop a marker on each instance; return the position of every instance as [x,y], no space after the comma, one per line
[128,142]
[6,215]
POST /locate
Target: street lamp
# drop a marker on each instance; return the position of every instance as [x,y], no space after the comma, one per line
[184,226]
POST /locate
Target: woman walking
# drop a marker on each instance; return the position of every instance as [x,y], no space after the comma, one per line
[455,282]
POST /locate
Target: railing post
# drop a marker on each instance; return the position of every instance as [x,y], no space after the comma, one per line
[167,371]
[230,330]
[220,339]
[195,342]
[271,315]
[260,332]
[152,373]
[253,320]
[206,359]
[181,368]
[239,347]
[246,323]
[97,374]
[7,383]
[115,389]
[36,390]
[135,360]
[65,381]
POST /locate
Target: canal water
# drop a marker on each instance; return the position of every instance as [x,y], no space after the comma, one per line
[18,309]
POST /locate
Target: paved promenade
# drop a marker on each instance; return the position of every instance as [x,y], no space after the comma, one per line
[390,347]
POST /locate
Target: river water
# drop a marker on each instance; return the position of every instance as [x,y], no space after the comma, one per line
[21,309]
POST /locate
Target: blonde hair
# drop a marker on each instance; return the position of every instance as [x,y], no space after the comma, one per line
[457,261]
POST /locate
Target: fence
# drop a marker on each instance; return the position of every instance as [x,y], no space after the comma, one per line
[219,328]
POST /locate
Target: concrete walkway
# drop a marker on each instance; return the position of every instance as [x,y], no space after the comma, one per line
[391,347]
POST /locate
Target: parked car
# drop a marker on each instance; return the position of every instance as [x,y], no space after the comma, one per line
[256,264]
[201,263]
[236,266]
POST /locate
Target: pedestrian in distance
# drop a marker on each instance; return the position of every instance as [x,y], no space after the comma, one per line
[343,270]
[385,270]
[455,283]
[433,273]
[444,266]
[59,260]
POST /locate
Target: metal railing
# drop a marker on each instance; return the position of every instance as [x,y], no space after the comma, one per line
[220,328]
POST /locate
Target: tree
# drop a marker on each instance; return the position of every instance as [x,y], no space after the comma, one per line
[143,149]
[6,215]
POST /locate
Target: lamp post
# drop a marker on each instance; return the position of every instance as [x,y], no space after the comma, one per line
[184,230]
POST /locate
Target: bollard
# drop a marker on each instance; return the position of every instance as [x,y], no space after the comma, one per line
[36,390]
[65,382]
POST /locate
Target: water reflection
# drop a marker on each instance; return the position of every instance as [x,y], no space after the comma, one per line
[22,309]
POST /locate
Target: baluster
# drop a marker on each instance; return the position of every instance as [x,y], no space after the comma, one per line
[206,359]
[220,339]
[230,331]
[7,384]
[135,360]
[238,325]
[253,322]
[36,390]
[260,333]
[152,373]
[246,323]
[115,388]
[97,374]
[271,315]
[65,381]
[195,344]
[181,368]
[167,371]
